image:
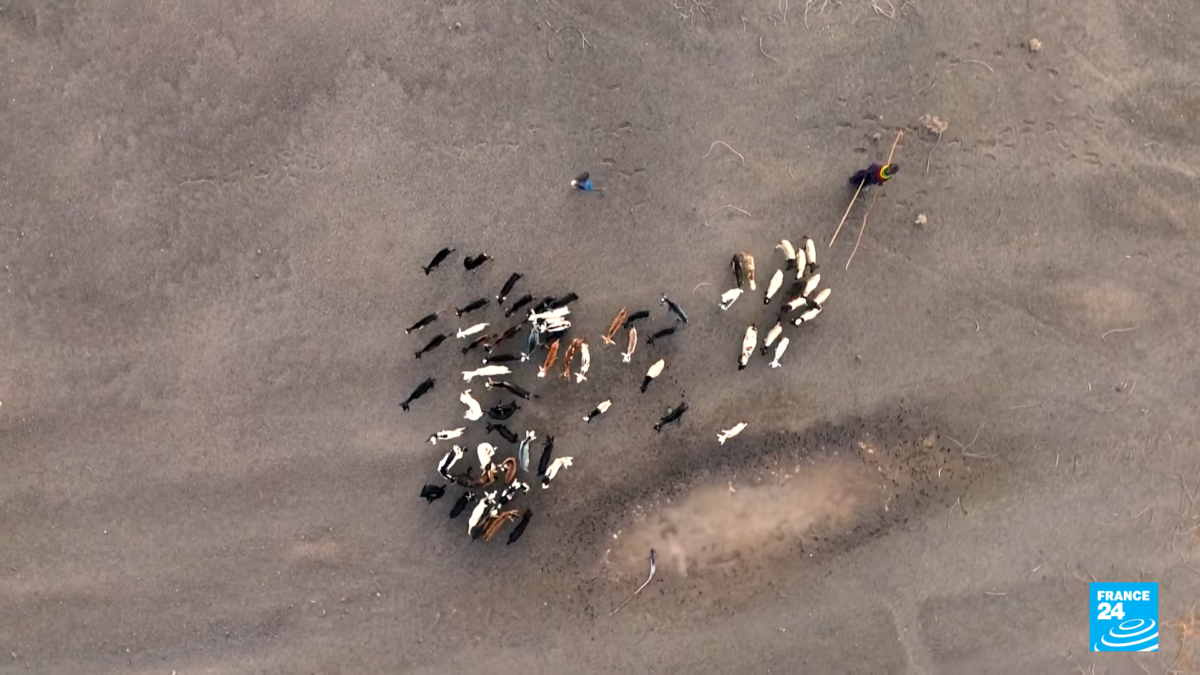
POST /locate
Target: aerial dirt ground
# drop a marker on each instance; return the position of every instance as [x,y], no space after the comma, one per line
[214,217]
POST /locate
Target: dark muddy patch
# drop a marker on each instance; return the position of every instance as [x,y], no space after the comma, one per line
[775,496]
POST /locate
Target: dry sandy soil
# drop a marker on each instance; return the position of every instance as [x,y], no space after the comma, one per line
[213,218]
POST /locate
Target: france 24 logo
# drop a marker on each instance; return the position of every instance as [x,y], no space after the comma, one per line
[1123,617]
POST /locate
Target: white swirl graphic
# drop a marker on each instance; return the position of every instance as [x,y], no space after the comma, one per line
[1133,635]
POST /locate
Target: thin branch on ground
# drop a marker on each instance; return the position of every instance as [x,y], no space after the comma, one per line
[727,206]
[968,445]
[1118,330]
[808,5]
[959,504]
[927,87]
[586,43]
[716,143]
[930,157]
[980,63]
[653,567]
[889,13]
[764,52]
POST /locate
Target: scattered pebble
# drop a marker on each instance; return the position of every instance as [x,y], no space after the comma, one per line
[1035,45]
[921,220]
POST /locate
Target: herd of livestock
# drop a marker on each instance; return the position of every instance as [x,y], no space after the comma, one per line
[493,478]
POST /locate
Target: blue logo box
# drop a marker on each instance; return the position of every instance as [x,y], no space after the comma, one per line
[1123,617]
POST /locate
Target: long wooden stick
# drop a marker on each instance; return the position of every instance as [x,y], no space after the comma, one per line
[847,213]
[862,229]
[894,144]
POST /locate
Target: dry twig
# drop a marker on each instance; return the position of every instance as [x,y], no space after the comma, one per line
[1117,330]
[727,206]
[935,125]
[968,445]
[639,590]
[1182,560]
[891,11]
[716,143]
[928,87]
[1023,406]
[807,5]
[980,63]
[929,158]
[764,52]
[586,42]
[959,504]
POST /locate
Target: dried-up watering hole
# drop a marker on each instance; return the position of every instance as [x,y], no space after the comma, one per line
[768,497]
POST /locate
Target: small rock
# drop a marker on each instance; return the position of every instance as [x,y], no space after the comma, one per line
[1035,45]
[921,220]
